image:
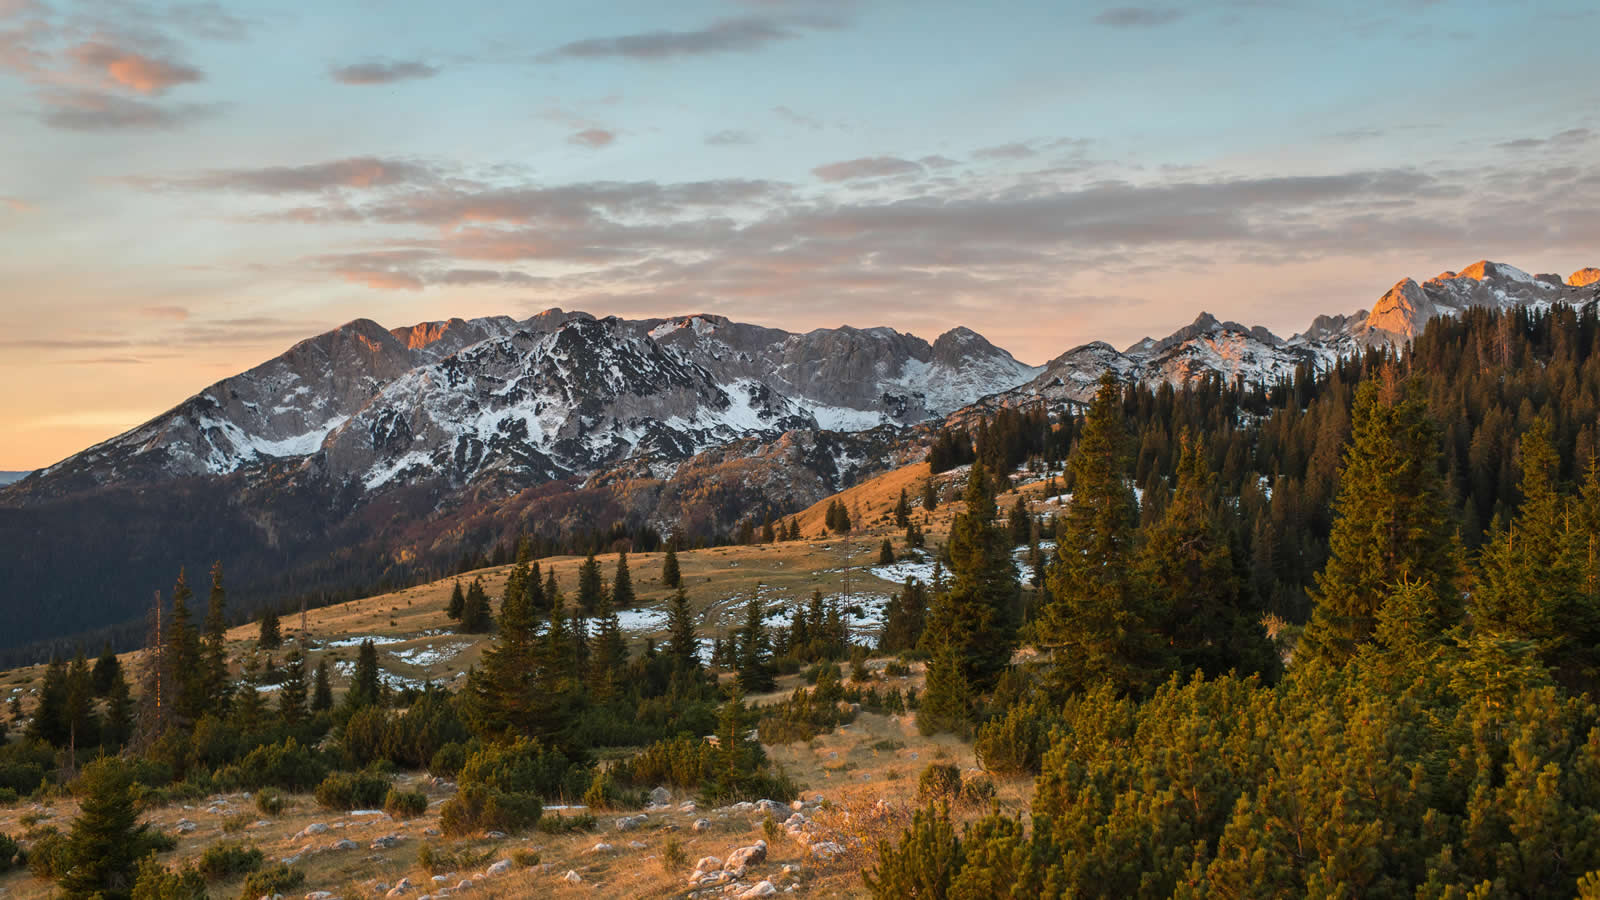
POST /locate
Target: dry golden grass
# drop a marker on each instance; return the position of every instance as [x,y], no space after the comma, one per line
[867,770]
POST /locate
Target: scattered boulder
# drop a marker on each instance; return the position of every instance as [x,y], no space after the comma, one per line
[628,823]
[344,844]
[387,842]
[401,888]
[314,828]
[759,889]
[770,808]
[660,796]
[826,850]
[746,856]
[572,877]
[702,825]
[185,826]
[321,895]
[601,847]
[501,867]
[688,806]
[495,835]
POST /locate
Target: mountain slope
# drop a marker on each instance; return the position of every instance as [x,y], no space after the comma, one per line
[368,453]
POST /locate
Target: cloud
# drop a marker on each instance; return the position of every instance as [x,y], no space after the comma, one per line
[17,204]
[938,162]
[593,138]
[382,280]
[804,121]
[1137,16]
[866,167]
[1005,151]
[739,35]
[412,270]
[368,73]
[95,111]
[359,172]
[135,71]
[729,137]
[1572,137]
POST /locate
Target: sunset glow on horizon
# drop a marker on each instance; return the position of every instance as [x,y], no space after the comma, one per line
[189,189]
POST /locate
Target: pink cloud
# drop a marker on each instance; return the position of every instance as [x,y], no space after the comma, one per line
[593,137]
[135,71]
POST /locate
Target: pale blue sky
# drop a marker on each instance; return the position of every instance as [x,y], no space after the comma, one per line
[185,189]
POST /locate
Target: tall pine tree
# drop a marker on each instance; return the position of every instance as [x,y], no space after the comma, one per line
[1392,524]
[622,596]
[683,644]
[978,618]
[1198,594]
[215,652]
[671,576]
[1096,622]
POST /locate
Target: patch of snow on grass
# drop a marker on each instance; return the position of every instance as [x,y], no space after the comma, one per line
[427,656]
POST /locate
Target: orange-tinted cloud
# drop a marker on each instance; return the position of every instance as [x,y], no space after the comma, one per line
[135,71]
[383,281]
[594,138]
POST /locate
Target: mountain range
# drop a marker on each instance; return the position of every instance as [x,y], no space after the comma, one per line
[364,448]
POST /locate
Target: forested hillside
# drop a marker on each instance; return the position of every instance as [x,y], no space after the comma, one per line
[1434,732]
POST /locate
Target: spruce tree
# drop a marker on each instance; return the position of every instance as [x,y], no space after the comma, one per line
[458,603]
[107,669]
[1195,581]
[116,728]
[683,644]
[903,619]
[475,615]
[106,839]
[930,496]
[902,511]
[914,536]
[1097,623]
[271,636]
[670,575]
[215,651]
[886,553]
[1020,522]
[365,687]
[979,618]
[1391,525]
[83,724]
[186,671]
[947,700]
[533,592]
[292,690]
[321,688]
[513,681]
[1535,578]
[609,654]
[754,670]
[622,596]
[590,587]
[49,723]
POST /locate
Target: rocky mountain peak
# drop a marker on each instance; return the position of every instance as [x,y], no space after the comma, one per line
[1584,277]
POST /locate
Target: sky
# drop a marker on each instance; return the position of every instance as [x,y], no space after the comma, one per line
[188,189]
